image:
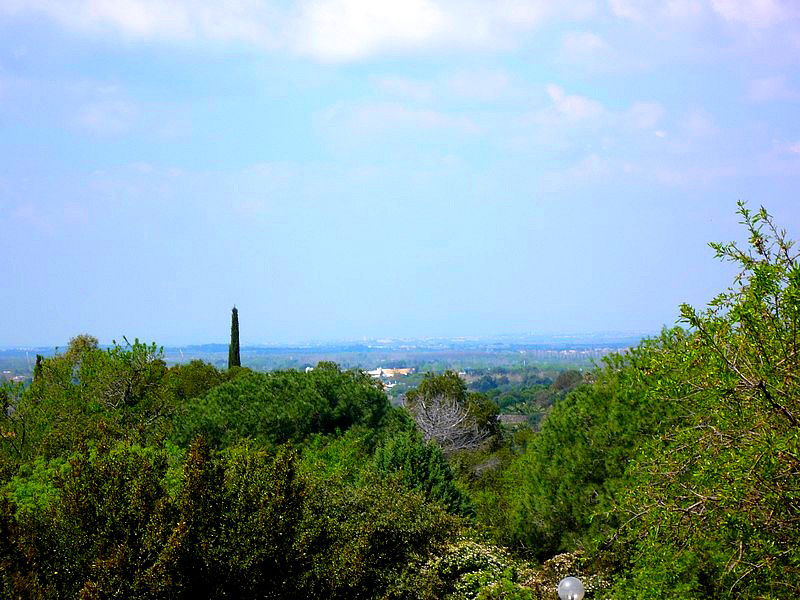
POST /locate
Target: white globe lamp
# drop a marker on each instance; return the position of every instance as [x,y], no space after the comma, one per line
[570,588]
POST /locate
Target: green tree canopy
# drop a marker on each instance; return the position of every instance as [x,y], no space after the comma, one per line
[282,406]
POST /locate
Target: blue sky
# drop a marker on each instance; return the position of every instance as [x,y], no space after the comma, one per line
[343,169]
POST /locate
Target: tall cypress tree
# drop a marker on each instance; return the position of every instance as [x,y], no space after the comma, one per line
[37,370]
[233,350]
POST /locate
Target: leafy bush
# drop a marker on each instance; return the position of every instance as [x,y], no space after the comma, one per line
[422,467]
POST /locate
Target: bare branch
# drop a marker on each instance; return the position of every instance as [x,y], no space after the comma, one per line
[445,421]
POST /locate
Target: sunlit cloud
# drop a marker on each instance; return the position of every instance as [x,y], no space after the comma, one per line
[352,30]
[339,30]
[325,30]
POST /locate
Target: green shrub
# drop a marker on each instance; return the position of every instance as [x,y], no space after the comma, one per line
[467,569]
[422,467]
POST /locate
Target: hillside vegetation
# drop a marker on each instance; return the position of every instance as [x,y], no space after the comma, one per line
[669,471]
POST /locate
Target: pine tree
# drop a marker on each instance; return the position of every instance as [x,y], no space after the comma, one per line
[233,350]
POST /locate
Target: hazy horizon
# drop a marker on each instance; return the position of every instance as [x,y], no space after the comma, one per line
[579,337]
[342,169]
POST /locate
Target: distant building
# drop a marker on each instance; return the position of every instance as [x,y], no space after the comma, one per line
[513,420]
[9,376]
[381,373]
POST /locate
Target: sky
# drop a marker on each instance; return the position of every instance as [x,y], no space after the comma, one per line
[348,169]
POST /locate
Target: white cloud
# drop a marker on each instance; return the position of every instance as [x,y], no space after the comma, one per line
[353,29]
[343,30]
[326,30]
[349,30]
[573,123]
[573,107]
[794,148]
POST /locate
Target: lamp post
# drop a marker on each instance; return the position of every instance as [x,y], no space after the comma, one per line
[570,588]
